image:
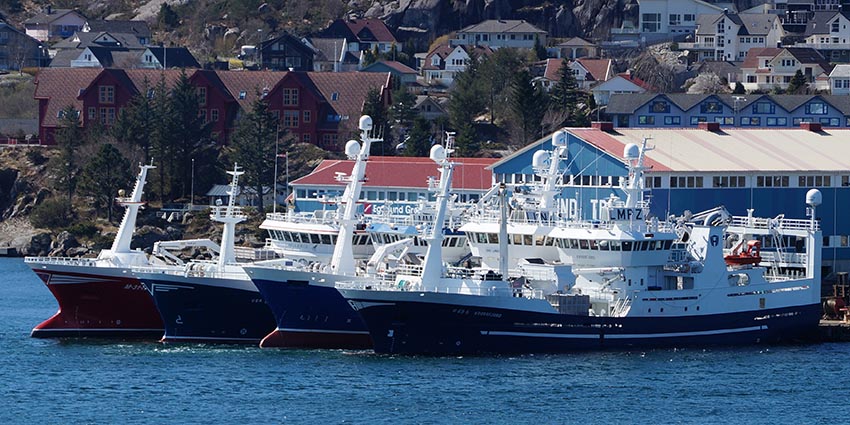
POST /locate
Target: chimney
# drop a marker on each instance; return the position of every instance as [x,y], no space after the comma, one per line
[710,126]
[606,126]
[814,127]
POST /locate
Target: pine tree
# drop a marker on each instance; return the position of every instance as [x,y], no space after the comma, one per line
[739,88]
[564,96]
[162,141]
[402,111]
[192,140]
[497,73]
[418,141]
[103,176]
[254,147]
[797,84]
[136,122]
[528,104]
[374,107]
[69,137]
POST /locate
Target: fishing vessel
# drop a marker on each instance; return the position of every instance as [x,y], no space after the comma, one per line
[99,297]
[210,300]
[636,282]
[308,310]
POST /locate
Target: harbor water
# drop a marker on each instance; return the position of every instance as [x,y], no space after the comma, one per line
[100,381]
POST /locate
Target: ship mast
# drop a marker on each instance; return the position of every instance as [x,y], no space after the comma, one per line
[229,216]
[342,261]
[121,244]
[433,265]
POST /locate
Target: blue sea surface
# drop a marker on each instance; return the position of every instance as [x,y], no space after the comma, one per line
[113,382]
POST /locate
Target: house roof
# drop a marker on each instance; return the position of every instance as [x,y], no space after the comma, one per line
[81,40]
[733,150]
[249,83]
[753,55]
[137,28]
[45,18]
[840,70]
[553,66]
[350,88]
[362,30]
[404,172]
[174,57]
[291,41]
[62,86]
[575,41]
[502,26]
[809,55]
[600,69]
[756,24]
[393,65]
[629,103]
[817,23]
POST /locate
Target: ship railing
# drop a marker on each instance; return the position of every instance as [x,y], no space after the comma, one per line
[221,211]
[777,223]
[198,268]
[622,307]
[402,285]
[325,217]
[63,261]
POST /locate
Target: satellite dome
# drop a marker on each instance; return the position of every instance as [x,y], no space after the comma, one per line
[631,151]
[366,123]
[814,198]
[352,148]
[559,138]
[438,153]
[539,159]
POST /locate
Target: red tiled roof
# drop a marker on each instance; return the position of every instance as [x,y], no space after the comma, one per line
[400,67]
[553,66]
[442,51]
[376,26]
[61,87]
[752,59]
[600,69]
[406,172]
[637,81]
[351,89]
[250,82]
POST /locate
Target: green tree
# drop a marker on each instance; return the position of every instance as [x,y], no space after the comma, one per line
[136,122]
[162,142]
[69,137]
[466,102]
[374,107]
[798,84]
[253,146]
[402,111]
[168,18]
[497,73]
[565,94]
[528,104]
[540,50]
[102,177]
[418,141]
[192,140]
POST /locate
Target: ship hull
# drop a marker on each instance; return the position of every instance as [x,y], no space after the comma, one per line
[99,302]
[410,326]
[211,310]
[309,312]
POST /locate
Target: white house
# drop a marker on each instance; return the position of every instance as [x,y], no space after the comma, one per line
[496,33]
[51,24]
[621,83]
[587,72]
[839,79]
[766,68]
[728,36]
[670,17]
[442,63]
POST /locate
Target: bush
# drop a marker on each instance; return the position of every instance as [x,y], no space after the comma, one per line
[85,229]
[36,157]
[51,214]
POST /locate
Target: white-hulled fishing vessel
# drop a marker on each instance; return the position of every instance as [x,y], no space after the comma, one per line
[637,282]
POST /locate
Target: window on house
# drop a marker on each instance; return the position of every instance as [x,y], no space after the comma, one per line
[202,114]
[660,107]
[689,17]
[107,94]
[242,94]
[335,96]
[107,115]
[646,120]
[308,116]
[712,107]
[764,108]
[835,26]
[290,119]
[305,138]
[214,115]
[817,108]
[673,120]
[651,22]
[674,19]
[202,96]
[290,97]
[92,113]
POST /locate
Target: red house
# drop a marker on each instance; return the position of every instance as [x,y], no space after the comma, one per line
[318,108]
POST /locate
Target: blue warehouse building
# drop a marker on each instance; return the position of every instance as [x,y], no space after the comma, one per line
[672,110]
[696,169]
